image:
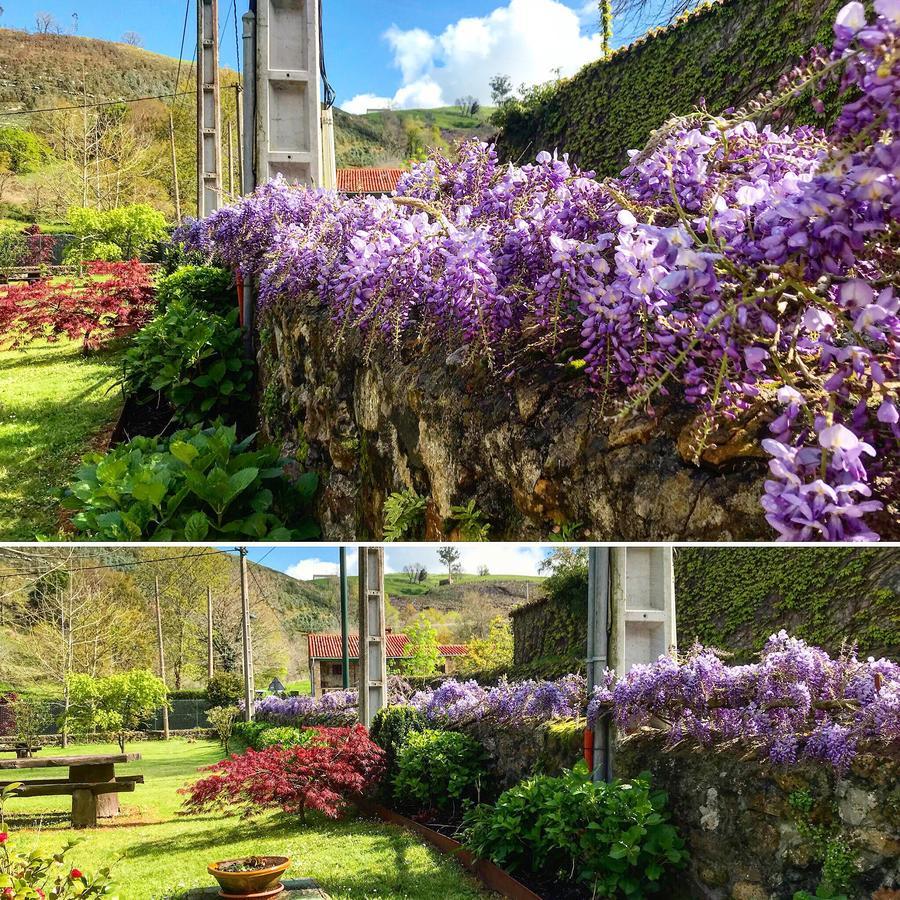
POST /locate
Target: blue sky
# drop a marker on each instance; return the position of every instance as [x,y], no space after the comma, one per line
[407,53]
[306,562]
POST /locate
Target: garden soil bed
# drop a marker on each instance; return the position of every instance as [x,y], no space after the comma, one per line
[142,420]
[521,887]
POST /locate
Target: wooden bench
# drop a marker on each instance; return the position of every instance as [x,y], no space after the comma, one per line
[91,782]
[21,750]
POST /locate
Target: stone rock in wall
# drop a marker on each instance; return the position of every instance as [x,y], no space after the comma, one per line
[534,456]
[745,838]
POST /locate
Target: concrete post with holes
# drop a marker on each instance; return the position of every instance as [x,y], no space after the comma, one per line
[287,88]
[372,643]
[642,608]
[209,125]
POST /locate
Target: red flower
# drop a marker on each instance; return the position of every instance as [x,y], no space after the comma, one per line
[3,837]
[8,892]
[75,874]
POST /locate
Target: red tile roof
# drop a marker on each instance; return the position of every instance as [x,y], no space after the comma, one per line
[328,646]
[368,181]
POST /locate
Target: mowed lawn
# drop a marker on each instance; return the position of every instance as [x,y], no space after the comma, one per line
[54,402]
[156,852]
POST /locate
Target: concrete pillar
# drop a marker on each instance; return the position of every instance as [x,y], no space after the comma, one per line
[288,86]
[372,645]
[209,125]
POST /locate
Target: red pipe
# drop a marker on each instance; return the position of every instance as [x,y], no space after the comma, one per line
[589,748]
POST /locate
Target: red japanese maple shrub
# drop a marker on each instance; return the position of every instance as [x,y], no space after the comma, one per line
[7,713]
[39,246]
[338,766]
[112,297]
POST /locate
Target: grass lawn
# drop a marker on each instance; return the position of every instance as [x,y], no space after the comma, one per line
[397,584]
[156,853]
[53,404]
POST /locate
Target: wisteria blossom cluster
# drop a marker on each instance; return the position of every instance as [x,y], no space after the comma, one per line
[732,267]
[452,703]
[334,708]
[797,703]
[458,703]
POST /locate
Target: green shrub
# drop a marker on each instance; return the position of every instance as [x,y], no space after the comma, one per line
[197,485]
[130,231]
[615,837]
[201,287]
[438,770]
[283,736]
[192,358]
[247,733]
[404,514]
[391,727]
[225,689]
[222,720]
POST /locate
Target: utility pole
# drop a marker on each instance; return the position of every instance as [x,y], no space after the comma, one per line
[239,127]
[177,193]
[598,631]
[230,161]
[345,643]
[372,650]
[209,635]
[162,655]
[245,631]
[209,115]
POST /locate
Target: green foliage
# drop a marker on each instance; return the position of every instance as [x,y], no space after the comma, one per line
[469,520]
[123,233]
[823,595]
[31,721]
[225,689]
[116,703]
[283,736]
[422,654]
[222,719]
[723,53]
[438,770]
[823,832]
[201,287]
[390,729]
[196,485]
[404,512]
[494,652]
[192,358]
[13,248]
[614,837]
[25,152]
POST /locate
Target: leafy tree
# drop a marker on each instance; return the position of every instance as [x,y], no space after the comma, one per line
[222,719]
[122,233]
[117,703]
[449,556]
[415,572]
[492,653]
[25,151]
[501,89]
[424,657]
[483,570]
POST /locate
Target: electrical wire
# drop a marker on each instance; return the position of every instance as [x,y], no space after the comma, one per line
[31,112]
[328,91]
[120,565]
[187,9]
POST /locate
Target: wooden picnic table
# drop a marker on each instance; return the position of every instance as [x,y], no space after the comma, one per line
[92,783]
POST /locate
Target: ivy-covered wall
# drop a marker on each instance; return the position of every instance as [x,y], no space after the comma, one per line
[723,53]
[733,598]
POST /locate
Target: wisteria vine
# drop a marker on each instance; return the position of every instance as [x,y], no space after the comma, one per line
[796,704]
[731,267]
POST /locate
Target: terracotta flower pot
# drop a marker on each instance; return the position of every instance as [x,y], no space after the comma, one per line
[262,882]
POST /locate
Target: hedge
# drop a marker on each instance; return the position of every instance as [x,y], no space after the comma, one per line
[723,52]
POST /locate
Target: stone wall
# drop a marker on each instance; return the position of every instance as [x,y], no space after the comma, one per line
[746,837]
[534,455]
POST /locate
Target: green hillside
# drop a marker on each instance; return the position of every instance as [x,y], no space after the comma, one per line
[43,72]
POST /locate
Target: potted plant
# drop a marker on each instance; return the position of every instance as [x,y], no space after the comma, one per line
[251,876]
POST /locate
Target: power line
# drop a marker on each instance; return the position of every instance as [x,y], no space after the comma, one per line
[136,562]
[30,112]
[187,9]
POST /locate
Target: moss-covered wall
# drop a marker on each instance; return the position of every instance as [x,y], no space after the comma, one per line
[734,598]
[723,53]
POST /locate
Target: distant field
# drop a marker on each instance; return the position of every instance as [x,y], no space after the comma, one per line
[397,584]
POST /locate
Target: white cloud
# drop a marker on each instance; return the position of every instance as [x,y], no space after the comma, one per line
[526,40]
[501,559]
[307,569]
[362,103]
